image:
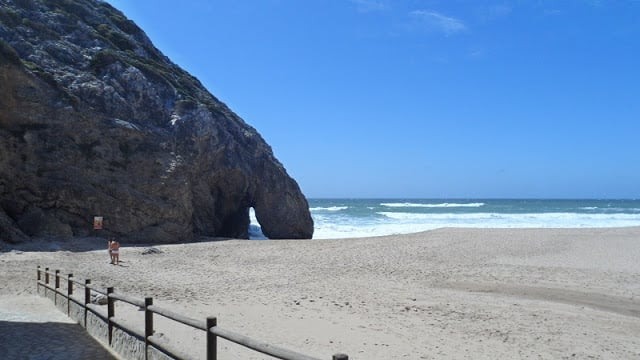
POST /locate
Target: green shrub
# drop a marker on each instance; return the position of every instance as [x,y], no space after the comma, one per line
[125,24]
[120,41]
[102,59]
[74,8]
[41,30]
[114,37]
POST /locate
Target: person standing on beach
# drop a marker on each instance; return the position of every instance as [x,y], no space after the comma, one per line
[115,252]
[109,245]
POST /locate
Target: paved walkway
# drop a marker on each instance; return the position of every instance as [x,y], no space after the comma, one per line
[32,328]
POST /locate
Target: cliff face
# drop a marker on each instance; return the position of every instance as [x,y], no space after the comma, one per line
[94,120]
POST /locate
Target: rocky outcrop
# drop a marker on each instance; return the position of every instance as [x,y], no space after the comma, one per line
[94,120]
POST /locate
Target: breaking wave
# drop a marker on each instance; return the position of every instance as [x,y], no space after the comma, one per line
[441,205]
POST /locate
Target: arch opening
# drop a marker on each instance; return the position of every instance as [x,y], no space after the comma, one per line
[255,229]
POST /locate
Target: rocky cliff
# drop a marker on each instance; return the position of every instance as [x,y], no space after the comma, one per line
[95,121]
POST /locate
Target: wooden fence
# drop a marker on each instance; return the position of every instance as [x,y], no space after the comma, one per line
[209,326]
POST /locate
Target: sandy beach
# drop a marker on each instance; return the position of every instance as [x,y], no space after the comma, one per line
[441,294]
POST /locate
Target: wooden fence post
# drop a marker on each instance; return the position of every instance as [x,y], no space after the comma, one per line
[87,299]
[69,292]
[46,280]
[212,339]
[340,357]
[57,287]
[148,325]
[38,282]
[110,312]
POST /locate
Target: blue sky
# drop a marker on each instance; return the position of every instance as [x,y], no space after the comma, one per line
[424,99]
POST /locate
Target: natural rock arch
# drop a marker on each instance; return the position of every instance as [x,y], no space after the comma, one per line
[94,120]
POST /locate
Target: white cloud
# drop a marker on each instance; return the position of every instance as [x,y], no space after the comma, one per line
[439,22]
[369,5]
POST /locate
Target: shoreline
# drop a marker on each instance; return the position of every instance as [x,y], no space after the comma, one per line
[454,228]
[447,293]
[89,243]
[478,229]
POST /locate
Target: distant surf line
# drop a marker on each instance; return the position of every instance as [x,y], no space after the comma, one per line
[439,205]
[330,208]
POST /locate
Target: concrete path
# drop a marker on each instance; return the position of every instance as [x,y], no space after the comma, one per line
[32,328]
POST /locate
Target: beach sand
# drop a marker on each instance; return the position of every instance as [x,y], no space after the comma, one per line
[441,294]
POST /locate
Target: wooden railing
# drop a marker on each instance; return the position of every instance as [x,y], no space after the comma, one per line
[209,325]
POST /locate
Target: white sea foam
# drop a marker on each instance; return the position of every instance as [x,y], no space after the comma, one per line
[588,208]
[441,205]
[331,224]
[617,209]
[330,208]
[252,216]
[255,231]
[391,223]
[570,218]
[498,220]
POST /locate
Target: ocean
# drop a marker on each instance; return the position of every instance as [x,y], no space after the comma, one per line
[342,218]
